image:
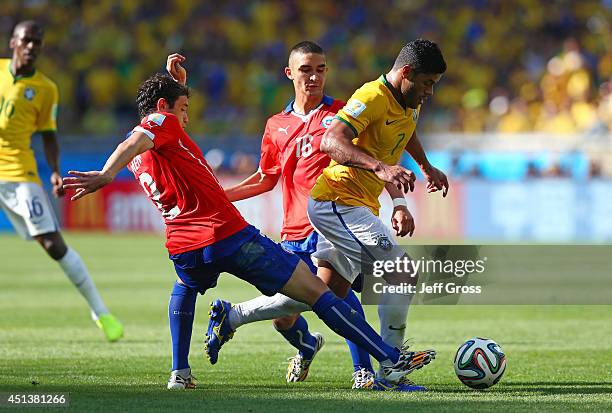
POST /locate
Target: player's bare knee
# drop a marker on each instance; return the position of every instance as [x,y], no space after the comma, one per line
[302,286]
[285,323]
[338,284]
[53,244]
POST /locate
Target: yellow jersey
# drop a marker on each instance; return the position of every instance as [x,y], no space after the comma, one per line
[382,129]
[28,104]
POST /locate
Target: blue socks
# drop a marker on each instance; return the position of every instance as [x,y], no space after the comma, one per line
[361,358]
[299,337]
[351,325]
[181,309]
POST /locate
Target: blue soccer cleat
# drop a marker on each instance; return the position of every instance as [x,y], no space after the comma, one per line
[219,331]
[404,385]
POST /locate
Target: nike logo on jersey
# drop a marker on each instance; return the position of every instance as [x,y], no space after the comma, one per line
[284,130]
[389,122]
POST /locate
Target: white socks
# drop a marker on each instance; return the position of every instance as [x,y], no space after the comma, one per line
[76,271]
[392,312]
[264,308]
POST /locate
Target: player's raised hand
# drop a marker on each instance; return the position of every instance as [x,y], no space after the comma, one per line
[175,69]
[56,184]
[399,176]
[402,221]
[436,180]
[85,182]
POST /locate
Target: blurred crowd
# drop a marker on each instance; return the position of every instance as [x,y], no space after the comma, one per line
[576,165]
[514,66]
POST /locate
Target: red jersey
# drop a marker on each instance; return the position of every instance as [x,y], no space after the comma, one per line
[181,184]
[291,147]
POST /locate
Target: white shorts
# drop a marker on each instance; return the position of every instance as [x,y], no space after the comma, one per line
[28,208]
[347,232]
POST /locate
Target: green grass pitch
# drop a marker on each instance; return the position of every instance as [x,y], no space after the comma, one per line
[559,357]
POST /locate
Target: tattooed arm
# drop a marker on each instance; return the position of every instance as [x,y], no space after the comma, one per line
[338,144]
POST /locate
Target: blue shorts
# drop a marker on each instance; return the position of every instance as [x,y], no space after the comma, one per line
[303,248]
[247,254]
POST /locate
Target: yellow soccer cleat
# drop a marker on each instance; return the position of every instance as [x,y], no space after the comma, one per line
[110,326]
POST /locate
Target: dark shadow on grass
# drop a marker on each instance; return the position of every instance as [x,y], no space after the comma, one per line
[542,387]
[288,399]
[560,383]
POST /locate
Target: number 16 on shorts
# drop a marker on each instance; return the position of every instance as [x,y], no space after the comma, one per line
[35,207]
[28,208]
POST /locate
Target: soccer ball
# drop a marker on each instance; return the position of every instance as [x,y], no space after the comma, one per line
[480,363]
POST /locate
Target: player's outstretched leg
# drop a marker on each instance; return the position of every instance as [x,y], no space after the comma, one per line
[279,305]
[271,269]
[181,310]
[76,271]
[264,308]
[228,318]
[396,363]
[224,316]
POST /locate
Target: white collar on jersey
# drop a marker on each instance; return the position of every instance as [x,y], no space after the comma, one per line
[327,100]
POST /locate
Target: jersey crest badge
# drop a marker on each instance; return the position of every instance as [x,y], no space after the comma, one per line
[384,243]
[326,122]
[415,115]
[29,93]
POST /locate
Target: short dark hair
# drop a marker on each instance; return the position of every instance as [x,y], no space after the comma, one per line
[306,47]
[423,56]
[156,87]
[32,24]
